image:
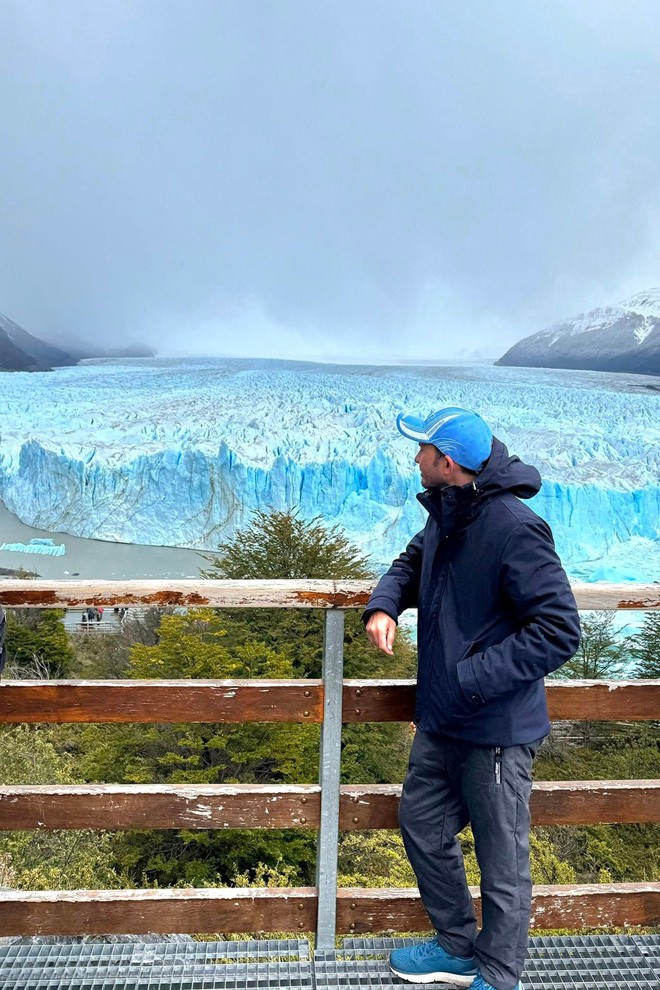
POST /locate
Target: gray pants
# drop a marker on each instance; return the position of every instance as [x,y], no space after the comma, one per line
[448,785]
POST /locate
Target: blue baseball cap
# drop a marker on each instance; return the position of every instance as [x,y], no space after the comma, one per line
[461,434]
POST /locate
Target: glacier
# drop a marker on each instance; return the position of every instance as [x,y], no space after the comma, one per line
[181,452]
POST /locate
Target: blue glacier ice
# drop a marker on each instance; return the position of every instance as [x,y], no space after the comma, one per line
[180,453]
[46,548]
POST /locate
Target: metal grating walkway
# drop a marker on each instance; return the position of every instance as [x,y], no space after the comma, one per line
[598,962]
[602,962]
[249,965]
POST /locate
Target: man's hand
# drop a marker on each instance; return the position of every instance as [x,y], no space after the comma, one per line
[381,630]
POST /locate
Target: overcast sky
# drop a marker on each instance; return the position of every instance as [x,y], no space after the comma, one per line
[373,179]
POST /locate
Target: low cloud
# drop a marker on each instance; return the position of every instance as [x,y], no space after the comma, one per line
[413,181]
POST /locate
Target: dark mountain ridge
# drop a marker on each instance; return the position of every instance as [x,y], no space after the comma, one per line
[621,338]
[22,351]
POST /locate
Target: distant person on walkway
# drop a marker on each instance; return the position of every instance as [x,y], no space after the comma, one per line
[495,615]
[99,613]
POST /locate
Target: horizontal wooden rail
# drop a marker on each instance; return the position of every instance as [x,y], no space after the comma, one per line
[104,912]
[554,802]
[262,594]
[161,701]
[197,593]
[286,701]
[98,912]
[217,806]
[189,806]
[594,905]
[603,701]
[394,701]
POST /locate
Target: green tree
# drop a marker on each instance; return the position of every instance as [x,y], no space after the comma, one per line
[108,655]
[603,653]
[38,634]
[607,853]
[378,859]
[48,860]
[283,643]
[280,545]
[243,643]
[192,645]
[632,754]
[645,647]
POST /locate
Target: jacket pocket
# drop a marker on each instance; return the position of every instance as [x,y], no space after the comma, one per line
[468,682]
[463,705]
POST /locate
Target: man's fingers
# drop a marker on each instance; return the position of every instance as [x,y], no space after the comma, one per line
[381,630]
[375,638]
[386,640]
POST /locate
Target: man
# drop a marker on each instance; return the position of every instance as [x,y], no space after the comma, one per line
[495,615]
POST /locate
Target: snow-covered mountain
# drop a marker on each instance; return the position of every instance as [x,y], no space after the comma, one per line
[625,338]
[181,453]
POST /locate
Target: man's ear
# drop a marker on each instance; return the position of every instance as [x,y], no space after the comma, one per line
[454,471]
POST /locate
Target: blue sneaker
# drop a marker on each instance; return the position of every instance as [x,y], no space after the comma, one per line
[429,963]
[480,984]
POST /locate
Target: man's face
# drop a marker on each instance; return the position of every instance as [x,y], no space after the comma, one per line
[432,466]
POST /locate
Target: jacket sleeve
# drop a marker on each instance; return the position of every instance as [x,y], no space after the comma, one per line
[534,585]
[398,588]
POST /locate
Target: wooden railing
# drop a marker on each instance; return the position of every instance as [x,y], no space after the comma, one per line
[326,807]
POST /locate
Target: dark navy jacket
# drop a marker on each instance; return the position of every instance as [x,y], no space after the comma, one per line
[496,611]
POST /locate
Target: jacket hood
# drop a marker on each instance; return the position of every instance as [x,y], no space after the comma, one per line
[454,508]
[507,473]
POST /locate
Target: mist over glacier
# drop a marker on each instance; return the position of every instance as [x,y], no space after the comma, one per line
[180,453]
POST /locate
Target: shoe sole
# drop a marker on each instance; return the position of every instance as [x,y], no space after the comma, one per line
[452,978]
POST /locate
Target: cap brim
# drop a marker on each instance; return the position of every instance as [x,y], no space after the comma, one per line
[412,427]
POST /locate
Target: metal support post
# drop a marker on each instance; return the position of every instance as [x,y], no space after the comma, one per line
[330,765]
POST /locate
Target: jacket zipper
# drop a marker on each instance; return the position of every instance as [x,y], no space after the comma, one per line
[498,765]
